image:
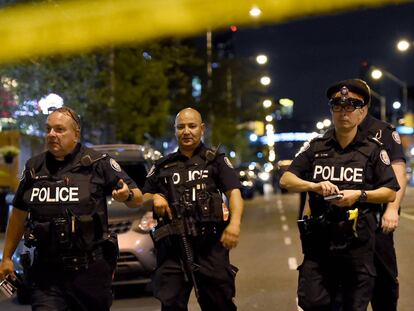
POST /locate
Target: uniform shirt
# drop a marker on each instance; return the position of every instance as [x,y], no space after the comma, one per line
[386,133]
[347,168]
[105,174]
[223,173]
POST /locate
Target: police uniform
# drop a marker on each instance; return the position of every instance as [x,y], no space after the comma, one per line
[386,284]
[338,251]
[205,175]
[74,256]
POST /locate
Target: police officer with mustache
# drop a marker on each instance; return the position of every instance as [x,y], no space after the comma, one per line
[198,176]
[347,175]
[62,196]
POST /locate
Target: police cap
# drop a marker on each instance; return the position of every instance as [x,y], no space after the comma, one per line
[354,85]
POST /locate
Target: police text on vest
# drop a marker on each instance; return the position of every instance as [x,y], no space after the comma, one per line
[64,194]
[341,173]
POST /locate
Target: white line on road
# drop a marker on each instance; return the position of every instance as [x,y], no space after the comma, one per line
[285,227]
[283,218]
[288,240]
[299,308]
[292,263]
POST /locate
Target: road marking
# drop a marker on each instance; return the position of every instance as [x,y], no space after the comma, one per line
[292,263]
[288,240]
[299,308]
[283,218]
[285,227]
[408,216]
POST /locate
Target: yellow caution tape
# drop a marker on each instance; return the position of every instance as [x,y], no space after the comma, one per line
[73,26]
[353,215]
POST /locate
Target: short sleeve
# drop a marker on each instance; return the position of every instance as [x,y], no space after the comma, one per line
[301,164]
[18,201]
[111,173]
[226,176]
[383,172]
[392,142]
[151,182]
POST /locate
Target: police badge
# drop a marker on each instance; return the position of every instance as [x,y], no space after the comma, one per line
[115,165]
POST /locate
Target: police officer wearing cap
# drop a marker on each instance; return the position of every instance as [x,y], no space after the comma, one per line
[386,284]
[199,176]
[62,196]
[347,175]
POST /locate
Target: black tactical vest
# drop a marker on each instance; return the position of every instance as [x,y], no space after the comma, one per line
[195,186]
[347,170]
[63,213]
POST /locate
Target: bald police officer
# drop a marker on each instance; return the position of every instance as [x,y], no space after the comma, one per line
[63,191]
[347,176]
[200,176]
[385,295]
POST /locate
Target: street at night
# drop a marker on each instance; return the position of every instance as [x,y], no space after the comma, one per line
[267,257]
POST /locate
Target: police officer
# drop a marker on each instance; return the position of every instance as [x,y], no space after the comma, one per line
[63,191]
[200,176]
[386,284]
[338,235]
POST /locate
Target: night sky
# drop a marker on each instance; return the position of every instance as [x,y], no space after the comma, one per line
[307,55]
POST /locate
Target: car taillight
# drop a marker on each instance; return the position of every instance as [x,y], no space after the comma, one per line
[145,224]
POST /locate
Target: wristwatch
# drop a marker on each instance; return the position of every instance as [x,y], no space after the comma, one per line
[363,197]
[130,196]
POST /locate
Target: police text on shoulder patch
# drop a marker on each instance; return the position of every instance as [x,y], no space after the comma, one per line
[115,165]
[384,157]
[227,161]
[151,171]
[396,137]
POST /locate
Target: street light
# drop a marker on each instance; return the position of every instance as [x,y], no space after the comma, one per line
[403,45]
[377,73]
[255,11]
[265,80]
[261,59]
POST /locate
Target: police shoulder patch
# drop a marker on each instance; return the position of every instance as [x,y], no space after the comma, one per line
[151,171]
[384,157]
[115,165]
[227,161]
[396,137]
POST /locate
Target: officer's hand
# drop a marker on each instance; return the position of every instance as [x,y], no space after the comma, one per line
[349,198]
[6,268]
[390,220]
[161,206]
[230,236]
[121,193]
[324,188]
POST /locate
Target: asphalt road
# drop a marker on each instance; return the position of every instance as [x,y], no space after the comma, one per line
[267,257]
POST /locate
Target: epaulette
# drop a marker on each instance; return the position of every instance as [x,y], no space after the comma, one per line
[164,160]
[376,140]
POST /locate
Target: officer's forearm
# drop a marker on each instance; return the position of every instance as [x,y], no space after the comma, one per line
[293,183]
[136,200]
[236,206]
[14,233]
[381,195]
[400,173]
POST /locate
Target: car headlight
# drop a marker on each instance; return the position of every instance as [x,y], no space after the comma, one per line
[145,224]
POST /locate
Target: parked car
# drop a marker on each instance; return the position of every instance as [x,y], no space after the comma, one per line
[137,256]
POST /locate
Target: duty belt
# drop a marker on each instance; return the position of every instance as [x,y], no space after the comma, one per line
[76,261]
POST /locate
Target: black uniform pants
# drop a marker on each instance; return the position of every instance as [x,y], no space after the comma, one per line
[53,290]
[320,281]
[215,278]
[386,289]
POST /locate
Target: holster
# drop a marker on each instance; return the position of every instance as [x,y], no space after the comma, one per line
[110,249]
